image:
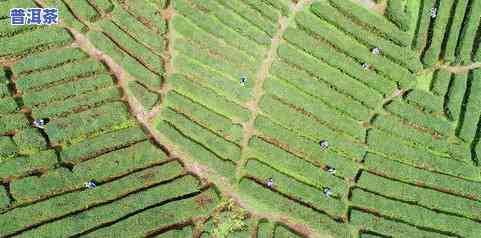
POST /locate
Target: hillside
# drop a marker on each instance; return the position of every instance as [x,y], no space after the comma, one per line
[241,118]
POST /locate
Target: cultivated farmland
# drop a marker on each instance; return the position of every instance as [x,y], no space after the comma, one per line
[242,118]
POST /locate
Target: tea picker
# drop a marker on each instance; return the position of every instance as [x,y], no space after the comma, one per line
[269,182]
[327,192]
[40,123]
[243,81]
[365,66]
[90,184]
[434,12]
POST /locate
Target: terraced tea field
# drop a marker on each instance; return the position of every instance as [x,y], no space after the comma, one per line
[242,118]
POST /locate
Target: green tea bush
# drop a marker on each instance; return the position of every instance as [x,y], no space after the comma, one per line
[404,152]
[455,30]
[388,227]
[47,59]
[216,122]
[68,89]
[207,97]
[415,215]
[397,13]
[337,157]
[456,94]
[86,199]
[421,177]
[205,157]
[22,165]
[64,72]
[295,167]
[468,33]
[432,53]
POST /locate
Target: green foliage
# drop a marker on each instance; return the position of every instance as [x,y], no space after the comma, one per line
[223,167]
[29,141]
[415,215]
[402,55]
[440,82]
[22,165]
[54,75]
[472,113]
[8,105]
[422,138]
[66,15]
[431,54]
[404,137]
[468,33]
[73,103]
[208,98]
[454,32]
[424,197]
[213,142]
[401,150]
[280,204]
[436,123]
[72,202]
[130,64]
[147,58]
[421,37]
[230,220]
[343,83]
[83,10]
[172,213]
[294,189]
[4,199]
[68,89]
[312,127]
[8,147]
[405,173]
[396,12]
[375,22]
[24,43]
[211,119]
[12,122]
[337,157]
[456,93]
[50,58]
[100,119]
[381,225]
[296,168]
[104,142]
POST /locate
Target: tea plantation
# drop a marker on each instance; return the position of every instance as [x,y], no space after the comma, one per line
[241,118]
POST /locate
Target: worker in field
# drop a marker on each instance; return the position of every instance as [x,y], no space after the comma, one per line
[327,192]
[40,123]
[270,182]
[90,184]
[324,144]
[330,170]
